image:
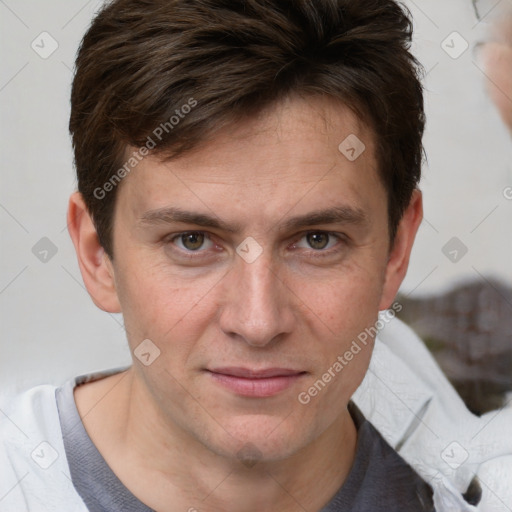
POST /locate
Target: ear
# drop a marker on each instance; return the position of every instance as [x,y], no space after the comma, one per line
[95,266]
[398,261]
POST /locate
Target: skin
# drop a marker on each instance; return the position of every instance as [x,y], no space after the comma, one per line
[169,431]
[497,59]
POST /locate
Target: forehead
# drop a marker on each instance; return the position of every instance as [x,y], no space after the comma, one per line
[300,150]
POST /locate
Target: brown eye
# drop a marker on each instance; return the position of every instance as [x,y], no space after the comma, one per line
[192,241]
[318,240]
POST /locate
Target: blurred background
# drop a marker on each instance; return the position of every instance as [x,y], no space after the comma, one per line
[457,294]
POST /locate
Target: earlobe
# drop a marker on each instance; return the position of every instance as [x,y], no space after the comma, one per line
[400,253]
[95,266]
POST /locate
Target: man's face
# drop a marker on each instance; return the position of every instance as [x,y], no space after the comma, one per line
[255,293]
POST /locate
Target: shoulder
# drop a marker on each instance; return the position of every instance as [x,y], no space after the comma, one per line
[389,482]
[34,474]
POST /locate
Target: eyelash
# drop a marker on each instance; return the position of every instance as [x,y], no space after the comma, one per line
[319,253]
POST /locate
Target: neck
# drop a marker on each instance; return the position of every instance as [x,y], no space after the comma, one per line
[160,463]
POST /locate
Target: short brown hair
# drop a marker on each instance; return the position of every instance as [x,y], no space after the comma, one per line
[141,61]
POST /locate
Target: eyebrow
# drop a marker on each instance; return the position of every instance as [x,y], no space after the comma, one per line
[333,215]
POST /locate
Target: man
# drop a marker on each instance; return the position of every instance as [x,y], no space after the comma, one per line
[247,198]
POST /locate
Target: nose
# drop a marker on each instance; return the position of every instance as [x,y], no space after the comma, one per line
[257,305]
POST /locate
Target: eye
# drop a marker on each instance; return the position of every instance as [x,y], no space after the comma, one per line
[192,241]
[319,240]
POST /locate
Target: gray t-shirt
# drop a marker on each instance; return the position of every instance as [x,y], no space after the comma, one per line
[379,480]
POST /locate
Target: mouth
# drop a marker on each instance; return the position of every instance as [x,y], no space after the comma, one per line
[259,383]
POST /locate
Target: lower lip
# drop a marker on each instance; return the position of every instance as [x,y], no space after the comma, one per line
[259,388]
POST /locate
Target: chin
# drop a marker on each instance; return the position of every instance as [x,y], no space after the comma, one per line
[258,438]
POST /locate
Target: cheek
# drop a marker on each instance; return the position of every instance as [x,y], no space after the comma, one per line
[345,302]
[157,304]
[342,312]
